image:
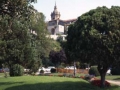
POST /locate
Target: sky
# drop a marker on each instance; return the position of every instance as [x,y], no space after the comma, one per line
[71,9]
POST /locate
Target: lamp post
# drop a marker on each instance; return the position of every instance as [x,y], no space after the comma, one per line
[74,68]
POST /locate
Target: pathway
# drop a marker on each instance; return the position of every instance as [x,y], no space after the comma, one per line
[114,82]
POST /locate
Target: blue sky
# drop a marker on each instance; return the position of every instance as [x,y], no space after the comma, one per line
[70,9]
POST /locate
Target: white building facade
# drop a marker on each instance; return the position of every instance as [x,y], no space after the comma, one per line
[57,27]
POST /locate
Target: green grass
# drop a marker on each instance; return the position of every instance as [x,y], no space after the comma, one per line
[108,77]
[112,77]
[47,83]
[1,74]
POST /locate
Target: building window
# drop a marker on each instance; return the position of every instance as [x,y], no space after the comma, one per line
[53,31]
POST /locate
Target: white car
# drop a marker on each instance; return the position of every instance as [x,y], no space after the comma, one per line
[46,70]
[70,67]
[50,67]
[26,70]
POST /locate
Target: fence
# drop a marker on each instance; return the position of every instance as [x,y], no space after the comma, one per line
[84,71]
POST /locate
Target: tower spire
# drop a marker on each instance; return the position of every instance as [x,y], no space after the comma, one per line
[55,6]
[55,3]
[55,14]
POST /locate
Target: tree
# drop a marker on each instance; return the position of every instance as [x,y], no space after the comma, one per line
[57,57]
[95,38]
[15,7]
[16,38]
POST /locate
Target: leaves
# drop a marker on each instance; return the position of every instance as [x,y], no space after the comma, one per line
[57,57]
[93,37]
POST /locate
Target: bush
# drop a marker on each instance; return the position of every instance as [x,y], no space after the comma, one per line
[88,77]
[94,71]
[115,71]
[53,70]
[16,70]
[34,68]
[41,71]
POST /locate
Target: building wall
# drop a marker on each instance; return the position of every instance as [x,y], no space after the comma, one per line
[58,29]
[55,37]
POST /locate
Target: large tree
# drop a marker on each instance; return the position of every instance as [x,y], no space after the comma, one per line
[24,38]
[95,38]
[16,40]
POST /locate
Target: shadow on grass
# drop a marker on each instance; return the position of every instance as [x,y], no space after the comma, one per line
[9,83]
[60,86]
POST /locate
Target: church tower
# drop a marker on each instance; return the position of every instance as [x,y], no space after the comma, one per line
[55,15]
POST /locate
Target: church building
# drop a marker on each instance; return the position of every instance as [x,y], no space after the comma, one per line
[57,27]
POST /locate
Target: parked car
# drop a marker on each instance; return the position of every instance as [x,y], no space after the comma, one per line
[70,67]
[26,70]
[50,67]
[46,70]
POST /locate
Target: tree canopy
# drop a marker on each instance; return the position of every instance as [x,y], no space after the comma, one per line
[22,34]
[95,38]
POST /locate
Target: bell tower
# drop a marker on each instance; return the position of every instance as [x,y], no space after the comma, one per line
[55,15]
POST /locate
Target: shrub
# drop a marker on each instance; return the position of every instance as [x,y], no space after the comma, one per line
[94,71]
[88,77]
[53,70]
[16,70]
[34,68]
[98,82]
[115,71]
[41,71]
[82,77]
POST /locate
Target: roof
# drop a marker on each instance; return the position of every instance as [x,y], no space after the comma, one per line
[69,20]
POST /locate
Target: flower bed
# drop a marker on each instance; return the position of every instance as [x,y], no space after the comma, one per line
[98,82]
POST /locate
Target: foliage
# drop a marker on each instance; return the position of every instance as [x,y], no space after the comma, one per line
[77,65]
[95,37]
[46,62]
[15,8]
[16,70]
[94,71]
[115,71]
[62,65]
[98,82]
[57,57]
[88,77]
[22,34]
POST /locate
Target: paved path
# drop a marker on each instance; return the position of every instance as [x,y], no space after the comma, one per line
[114,82]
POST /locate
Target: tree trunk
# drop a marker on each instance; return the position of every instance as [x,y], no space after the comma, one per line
[102,80]
[102,70]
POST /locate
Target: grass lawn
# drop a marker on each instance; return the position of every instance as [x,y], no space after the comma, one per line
[108,77]
[47,83]
[112,77]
